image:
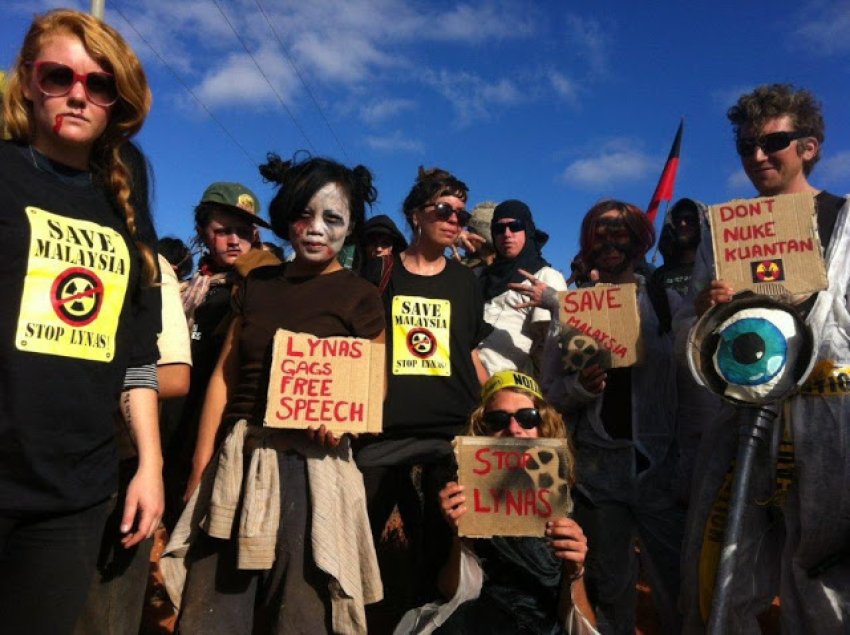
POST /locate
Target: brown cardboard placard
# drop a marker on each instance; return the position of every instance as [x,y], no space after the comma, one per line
[335,381]
[600,325]
[512,486]
[768,244]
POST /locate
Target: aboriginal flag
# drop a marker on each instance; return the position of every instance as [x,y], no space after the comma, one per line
[664,189]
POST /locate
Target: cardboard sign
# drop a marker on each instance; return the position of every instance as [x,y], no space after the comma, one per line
[335,381]
[513,486]
[769,245]
[600,325]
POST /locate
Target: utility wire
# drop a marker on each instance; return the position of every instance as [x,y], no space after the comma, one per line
[265,77]
[187,88]
[301,78]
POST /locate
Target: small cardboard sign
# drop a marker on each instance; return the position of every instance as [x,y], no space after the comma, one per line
[512,486]
[335,381]
[769,244]
[600,325]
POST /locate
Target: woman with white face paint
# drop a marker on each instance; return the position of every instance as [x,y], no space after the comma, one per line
[308,565]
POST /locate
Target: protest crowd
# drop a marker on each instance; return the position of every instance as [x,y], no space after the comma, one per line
[492,363]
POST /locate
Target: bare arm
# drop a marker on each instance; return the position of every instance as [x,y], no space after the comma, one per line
[173,380]
[452,505]
[480,371]
[145,500]
[223,378]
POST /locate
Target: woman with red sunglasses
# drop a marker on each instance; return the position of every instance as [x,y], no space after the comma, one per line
[434,308]
[79,323]
[529,584]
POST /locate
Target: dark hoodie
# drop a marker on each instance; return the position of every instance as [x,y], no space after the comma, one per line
[384,225]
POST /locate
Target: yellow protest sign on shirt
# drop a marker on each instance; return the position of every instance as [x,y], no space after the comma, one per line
[77,276]
[421,343]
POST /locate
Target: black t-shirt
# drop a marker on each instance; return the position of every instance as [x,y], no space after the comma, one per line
[433,325]
[72,322]
[827,205]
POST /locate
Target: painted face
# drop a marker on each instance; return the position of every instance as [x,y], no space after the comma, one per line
[779,172]
[69,122]
[508,243]
[227,236]
[511,401]
[440,232]
[319,233]
[613,246]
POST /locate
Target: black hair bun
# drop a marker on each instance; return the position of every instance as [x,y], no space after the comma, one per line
[274,169]
[363,184]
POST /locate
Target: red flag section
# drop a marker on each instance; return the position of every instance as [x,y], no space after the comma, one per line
[664,189]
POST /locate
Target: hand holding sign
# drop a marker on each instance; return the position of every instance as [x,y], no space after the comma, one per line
[717,292]
[569,542]
[452,503]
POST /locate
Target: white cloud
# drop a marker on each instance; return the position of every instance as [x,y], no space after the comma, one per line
[589,40]
[826,33]
[383,109]
[738,181]
[238,81]
[394,143]
[834,169]
[566,88]
[618,160]
[473,98]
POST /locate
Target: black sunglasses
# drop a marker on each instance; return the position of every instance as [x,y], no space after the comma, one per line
[498,420]
[444,211]
[56,80]
[515,226]
[769,143]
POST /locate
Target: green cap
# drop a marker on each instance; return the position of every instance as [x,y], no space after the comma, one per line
[238,198]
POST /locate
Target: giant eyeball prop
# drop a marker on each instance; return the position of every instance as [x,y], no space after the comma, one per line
[753,350]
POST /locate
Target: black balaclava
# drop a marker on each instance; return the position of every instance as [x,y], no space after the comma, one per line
[495,279]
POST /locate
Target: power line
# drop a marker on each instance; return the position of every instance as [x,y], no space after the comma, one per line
[301,78]
[187,88]
[265,77]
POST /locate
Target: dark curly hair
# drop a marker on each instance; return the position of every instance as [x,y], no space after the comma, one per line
[639,226]
[430,184]
[776,100]
[299,180]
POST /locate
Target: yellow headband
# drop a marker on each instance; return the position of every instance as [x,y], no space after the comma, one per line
[510,379]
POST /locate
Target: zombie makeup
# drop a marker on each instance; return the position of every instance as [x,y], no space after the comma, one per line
[318,233]
[614,246]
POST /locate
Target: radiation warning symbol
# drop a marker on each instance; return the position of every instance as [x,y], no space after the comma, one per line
[767,271]
[76,296]
[421,343]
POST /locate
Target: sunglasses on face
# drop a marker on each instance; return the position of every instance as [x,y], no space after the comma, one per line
[769,143]
[244,233]
[56,80]
[497,420]
[515,226]
[444,211]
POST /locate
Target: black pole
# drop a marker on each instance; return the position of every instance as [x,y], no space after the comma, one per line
[756,427]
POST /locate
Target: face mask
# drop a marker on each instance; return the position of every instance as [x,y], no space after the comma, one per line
[612,234]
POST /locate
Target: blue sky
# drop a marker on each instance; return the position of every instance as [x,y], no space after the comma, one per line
[555,103]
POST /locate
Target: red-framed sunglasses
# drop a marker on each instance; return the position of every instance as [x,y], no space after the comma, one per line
[55,79]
